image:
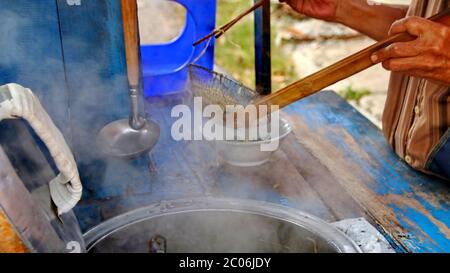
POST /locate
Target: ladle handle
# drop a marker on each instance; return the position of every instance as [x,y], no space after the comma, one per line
[338,71]
[132,43]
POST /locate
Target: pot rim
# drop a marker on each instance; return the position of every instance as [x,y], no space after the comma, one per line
[332,235]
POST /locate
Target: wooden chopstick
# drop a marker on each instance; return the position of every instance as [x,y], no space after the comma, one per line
[220,31]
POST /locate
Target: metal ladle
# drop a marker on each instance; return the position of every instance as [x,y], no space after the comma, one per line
[132,137]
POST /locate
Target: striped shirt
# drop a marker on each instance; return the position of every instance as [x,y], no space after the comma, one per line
[416,118]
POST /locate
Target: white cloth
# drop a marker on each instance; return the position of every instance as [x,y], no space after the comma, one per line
[19,102]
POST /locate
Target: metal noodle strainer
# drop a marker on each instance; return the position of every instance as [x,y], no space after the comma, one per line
[219,89]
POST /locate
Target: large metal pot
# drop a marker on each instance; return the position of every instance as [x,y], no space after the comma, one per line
[217,225]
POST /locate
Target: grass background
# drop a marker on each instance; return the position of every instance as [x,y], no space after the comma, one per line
[235,50]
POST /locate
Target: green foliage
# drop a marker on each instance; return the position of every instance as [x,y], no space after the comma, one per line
[352,94]
[235,50]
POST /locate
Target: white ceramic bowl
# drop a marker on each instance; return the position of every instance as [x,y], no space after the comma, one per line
[249,153]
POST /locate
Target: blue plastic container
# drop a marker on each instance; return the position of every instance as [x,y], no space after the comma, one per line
[165,66]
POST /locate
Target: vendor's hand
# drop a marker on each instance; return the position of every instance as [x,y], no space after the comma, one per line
[428,56]
[320,9]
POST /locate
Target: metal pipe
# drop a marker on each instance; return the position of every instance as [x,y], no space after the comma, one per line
[263,66]
[136,121]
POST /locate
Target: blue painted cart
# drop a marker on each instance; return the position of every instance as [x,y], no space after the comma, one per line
[335,165]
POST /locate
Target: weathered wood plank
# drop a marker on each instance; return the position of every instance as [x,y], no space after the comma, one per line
[321,180]
[193,169]
[411,207]
[277,181]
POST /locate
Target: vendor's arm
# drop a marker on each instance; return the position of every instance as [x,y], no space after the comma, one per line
[374,20]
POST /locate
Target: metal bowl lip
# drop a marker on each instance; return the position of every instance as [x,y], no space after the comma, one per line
[332,235]
[284,123]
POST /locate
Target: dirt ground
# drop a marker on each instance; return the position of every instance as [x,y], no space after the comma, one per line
[162,21]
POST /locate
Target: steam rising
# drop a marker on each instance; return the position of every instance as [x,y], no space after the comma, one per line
[78,93]
[81,106]
[215,232]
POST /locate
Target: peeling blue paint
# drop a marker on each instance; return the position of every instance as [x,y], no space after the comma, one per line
[386,173]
